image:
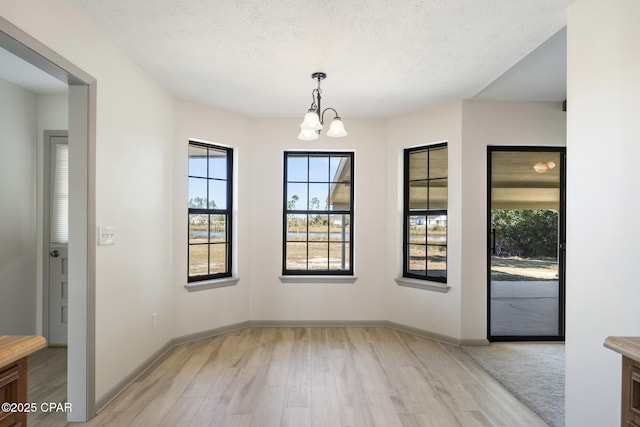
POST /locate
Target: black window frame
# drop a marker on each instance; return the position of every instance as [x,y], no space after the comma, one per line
[407,213]
[227,212]
[286,212]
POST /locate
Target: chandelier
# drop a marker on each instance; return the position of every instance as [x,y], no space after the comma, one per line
[314,119]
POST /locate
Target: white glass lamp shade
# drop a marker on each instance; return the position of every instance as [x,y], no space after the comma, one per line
[308,135]
[336,130]
[311,121]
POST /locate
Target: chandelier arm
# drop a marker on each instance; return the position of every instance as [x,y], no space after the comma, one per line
[324,111]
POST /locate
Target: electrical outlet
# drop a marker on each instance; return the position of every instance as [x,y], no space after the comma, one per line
[154,319]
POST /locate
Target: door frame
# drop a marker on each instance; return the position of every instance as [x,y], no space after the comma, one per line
[46,222]
[82,242]
[562,238]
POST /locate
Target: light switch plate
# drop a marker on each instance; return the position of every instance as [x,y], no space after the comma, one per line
[106,236]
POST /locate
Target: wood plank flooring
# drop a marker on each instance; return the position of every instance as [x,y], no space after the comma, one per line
[47,376]
[308,377]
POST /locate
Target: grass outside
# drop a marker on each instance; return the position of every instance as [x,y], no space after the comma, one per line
[423,258]
[207,255]
[316,245]
[523,269]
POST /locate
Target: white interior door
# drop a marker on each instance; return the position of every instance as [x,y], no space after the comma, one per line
[58,266]
[57,234]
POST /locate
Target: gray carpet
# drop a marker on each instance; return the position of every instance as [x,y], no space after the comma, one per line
[533,372]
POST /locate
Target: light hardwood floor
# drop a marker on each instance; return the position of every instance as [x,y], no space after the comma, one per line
[303,377]
[47,377]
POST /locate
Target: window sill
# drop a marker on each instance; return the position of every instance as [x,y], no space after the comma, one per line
[423,284]
[318,279]
[211,284]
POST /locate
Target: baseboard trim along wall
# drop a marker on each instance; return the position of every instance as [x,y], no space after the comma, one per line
[436,337]
[144,366]
[211,333]
[318,323]
[474,343]
[106,398]
[423,333]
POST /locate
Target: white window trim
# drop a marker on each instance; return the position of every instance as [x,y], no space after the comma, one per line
[317,279]
[423,284]
[211,284]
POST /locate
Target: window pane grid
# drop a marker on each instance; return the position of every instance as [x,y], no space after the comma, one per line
[425,218]
[210,200]
[317,213]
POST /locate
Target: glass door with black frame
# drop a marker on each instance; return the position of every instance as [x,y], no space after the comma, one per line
[526,231]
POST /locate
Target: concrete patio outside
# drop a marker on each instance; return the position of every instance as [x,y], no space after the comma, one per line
[524,308]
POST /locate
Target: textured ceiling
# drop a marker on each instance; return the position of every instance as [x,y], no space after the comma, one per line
[383,58]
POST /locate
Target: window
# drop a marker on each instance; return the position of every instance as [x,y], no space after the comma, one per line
[425,213]
[60,196]
[210,207]
[318,213]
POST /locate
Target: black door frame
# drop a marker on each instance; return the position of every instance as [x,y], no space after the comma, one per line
[561,243]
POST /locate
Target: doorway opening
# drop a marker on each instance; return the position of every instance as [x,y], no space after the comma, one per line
[526,225]
[81,246]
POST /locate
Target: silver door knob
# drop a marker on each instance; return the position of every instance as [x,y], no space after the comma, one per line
[54,253]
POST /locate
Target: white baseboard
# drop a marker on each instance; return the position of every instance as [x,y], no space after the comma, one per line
[318,323]
[475,342]
[423,333]
[210,333]
[106,398]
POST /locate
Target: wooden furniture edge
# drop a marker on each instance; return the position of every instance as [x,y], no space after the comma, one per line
[15,347]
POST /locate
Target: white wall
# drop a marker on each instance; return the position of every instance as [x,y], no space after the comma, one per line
[52,114]
[134,188]
[469,127]
[603,147]
[378,144]
[273,300]
[213,308]
[487,123]
[435,312]
[17,210]
[259,295]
